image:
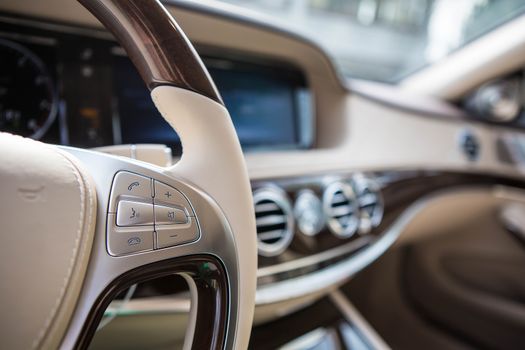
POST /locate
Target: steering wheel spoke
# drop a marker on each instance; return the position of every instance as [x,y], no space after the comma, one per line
[152,224]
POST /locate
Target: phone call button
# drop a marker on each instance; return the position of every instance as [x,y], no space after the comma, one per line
[129,184]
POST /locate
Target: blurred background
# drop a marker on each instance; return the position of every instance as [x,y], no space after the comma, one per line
[385,40]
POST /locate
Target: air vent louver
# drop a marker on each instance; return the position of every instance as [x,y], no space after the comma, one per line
[340,207]
[274,220]
[370,202]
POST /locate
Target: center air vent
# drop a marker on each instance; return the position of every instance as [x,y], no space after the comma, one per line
[370,202]
[341,210]
[274,220]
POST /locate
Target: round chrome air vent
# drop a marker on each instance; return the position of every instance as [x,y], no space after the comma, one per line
[341,210]
[274,220]
[369,201]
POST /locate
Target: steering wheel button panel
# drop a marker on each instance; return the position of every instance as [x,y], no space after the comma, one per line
[129,184]
[170,235]
[165,215]
[131,213]
[170,196]
[145,214]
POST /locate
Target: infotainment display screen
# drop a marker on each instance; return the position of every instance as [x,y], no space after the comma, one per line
[270,105]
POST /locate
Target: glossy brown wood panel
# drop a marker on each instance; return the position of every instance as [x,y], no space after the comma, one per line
[155,43]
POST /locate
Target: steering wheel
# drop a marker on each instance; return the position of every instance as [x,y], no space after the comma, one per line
[80,226]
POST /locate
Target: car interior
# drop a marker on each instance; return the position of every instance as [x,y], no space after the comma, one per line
[262,174]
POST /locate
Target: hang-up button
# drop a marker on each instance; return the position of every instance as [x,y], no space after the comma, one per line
[130,213]
[128,240]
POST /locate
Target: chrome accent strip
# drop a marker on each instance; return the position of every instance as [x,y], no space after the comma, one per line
[354,317]
[314,259]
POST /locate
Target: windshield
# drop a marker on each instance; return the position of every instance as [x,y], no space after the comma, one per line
[386,40]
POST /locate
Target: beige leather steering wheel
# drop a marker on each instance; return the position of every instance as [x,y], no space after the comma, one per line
[79,226]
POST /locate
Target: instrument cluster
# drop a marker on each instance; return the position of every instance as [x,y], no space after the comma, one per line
[28,95]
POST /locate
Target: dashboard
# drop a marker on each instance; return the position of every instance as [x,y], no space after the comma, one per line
[73,85]
[82,90]
[337,171]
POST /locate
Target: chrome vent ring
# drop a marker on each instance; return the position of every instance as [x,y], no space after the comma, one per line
[274,220]
[341,209]
[369,201]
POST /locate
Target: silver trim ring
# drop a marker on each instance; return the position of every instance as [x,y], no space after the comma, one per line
[360,183]
[279,197]
[334,224]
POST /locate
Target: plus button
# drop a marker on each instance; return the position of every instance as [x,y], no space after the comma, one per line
[168,194]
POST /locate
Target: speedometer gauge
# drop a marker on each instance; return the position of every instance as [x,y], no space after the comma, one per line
[28,102]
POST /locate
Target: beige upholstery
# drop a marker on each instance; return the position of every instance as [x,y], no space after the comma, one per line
[213,160]
[47,210]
